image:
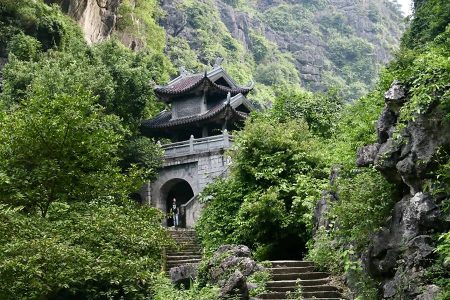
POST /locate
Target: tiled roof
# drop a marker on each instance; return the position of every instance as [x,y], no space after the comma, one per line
[164,119]
[186,83]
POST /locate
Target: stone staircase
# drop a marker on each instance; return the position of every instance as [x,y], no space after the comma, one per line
[289,274]
[188,248]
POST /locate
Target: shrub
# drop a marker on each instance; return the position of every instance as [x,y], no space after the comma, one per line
[84,251]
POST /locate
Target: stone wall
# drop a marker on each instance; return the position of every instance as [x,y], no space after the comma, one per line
[197,169]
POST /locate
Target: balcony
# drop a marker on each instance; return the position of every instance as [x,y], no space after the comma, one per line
[201,145]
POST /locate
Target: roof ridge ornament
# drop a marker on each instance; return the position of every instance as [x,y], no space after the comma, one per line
[228,102]
[218,62]
[183,71]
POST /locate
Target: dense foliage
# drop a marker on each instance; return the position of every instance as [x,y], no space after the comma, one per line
[99,250]
[423,67]
[315,44]
[277,174]
[71,155]
[64,149]
[70,159]
[238,212]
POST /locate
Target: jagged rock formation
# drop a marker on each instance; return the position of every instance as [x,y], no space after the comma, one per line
[229,268]
[310,34]
[97,18]
[401,252]
[342,43]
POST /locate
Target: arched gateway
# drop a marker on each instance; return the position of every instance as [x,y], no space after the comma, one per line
[202,109]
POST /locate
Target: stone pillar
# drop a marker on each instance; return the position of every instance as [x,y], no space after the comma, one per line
[226,139]
[191,144]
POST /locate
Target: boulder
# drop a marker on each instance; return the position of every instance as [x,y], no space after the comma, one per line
[366,155]
[395,96]
[184,274]
[229,267]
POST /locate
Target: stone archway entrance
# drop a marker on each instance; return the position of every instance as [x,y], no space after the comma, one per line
[179,189]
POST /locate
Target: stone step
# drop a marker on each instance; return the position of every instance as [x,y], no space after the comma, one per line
[321,294]
[291,263]
[314,295]
[185,241]
[182,252]
[314,288]
[302,298]
[172,263]
[302,276]
[189,249]
[311,282]
[188,246]
[182,257]
[183,234]
[282,270]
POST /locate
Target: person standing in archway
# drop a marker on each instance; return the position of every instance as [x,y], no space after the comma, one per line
[175,211]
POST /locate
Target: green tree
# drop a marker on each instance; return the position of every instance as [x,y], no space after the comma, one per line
[277,175]
[99,250]
[64,149]
[320,111]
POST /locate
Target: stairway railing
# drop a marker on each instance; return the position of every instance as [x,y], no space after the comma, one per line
[186,209]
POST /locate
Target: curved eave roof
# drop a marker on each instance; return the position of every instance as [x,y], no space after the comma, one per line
[164,119]
[191,82]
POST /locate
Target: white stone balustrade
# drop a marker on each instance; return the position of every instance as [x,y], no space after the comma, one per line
[200,145]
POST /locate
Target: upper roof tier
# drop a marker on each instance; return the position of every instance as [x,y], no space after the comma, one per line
[216,80]
[222,110]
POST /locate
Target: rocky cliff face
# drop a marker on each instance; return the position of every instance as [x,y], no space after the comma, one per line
[337,44]
[97,18]
[316,44]
[402,251]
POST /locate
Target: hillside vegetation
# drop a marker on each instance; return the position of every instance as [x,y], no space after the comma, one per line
[295,189]
[71,156]
[317,44]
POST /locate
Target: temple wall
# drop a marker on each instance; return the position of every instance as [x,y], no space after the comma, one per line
[187,107]
[197,169]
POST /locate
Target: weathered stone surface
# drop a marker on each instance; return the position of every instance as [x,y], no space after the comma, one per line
[184,274]
[396,95]
[401,252]
[366,155]
[386,125]
[229,268]
[430,293]
[236,284]
[322,206]
[97,18]
[412,218]
[309,49]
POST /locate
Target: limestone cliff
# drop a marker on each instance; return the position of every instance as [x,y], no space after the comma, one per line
[97,18]
[316,44]
[402,251]
[341,43]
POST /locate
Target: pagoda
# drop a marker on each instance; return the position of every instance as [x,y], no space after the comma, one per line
[199,105]
[203,110]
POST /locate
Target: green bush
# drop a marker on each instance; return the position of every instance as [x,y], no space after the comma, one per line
[63,149]
[266,203]
[163,289]
[98,250]
[24,47]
